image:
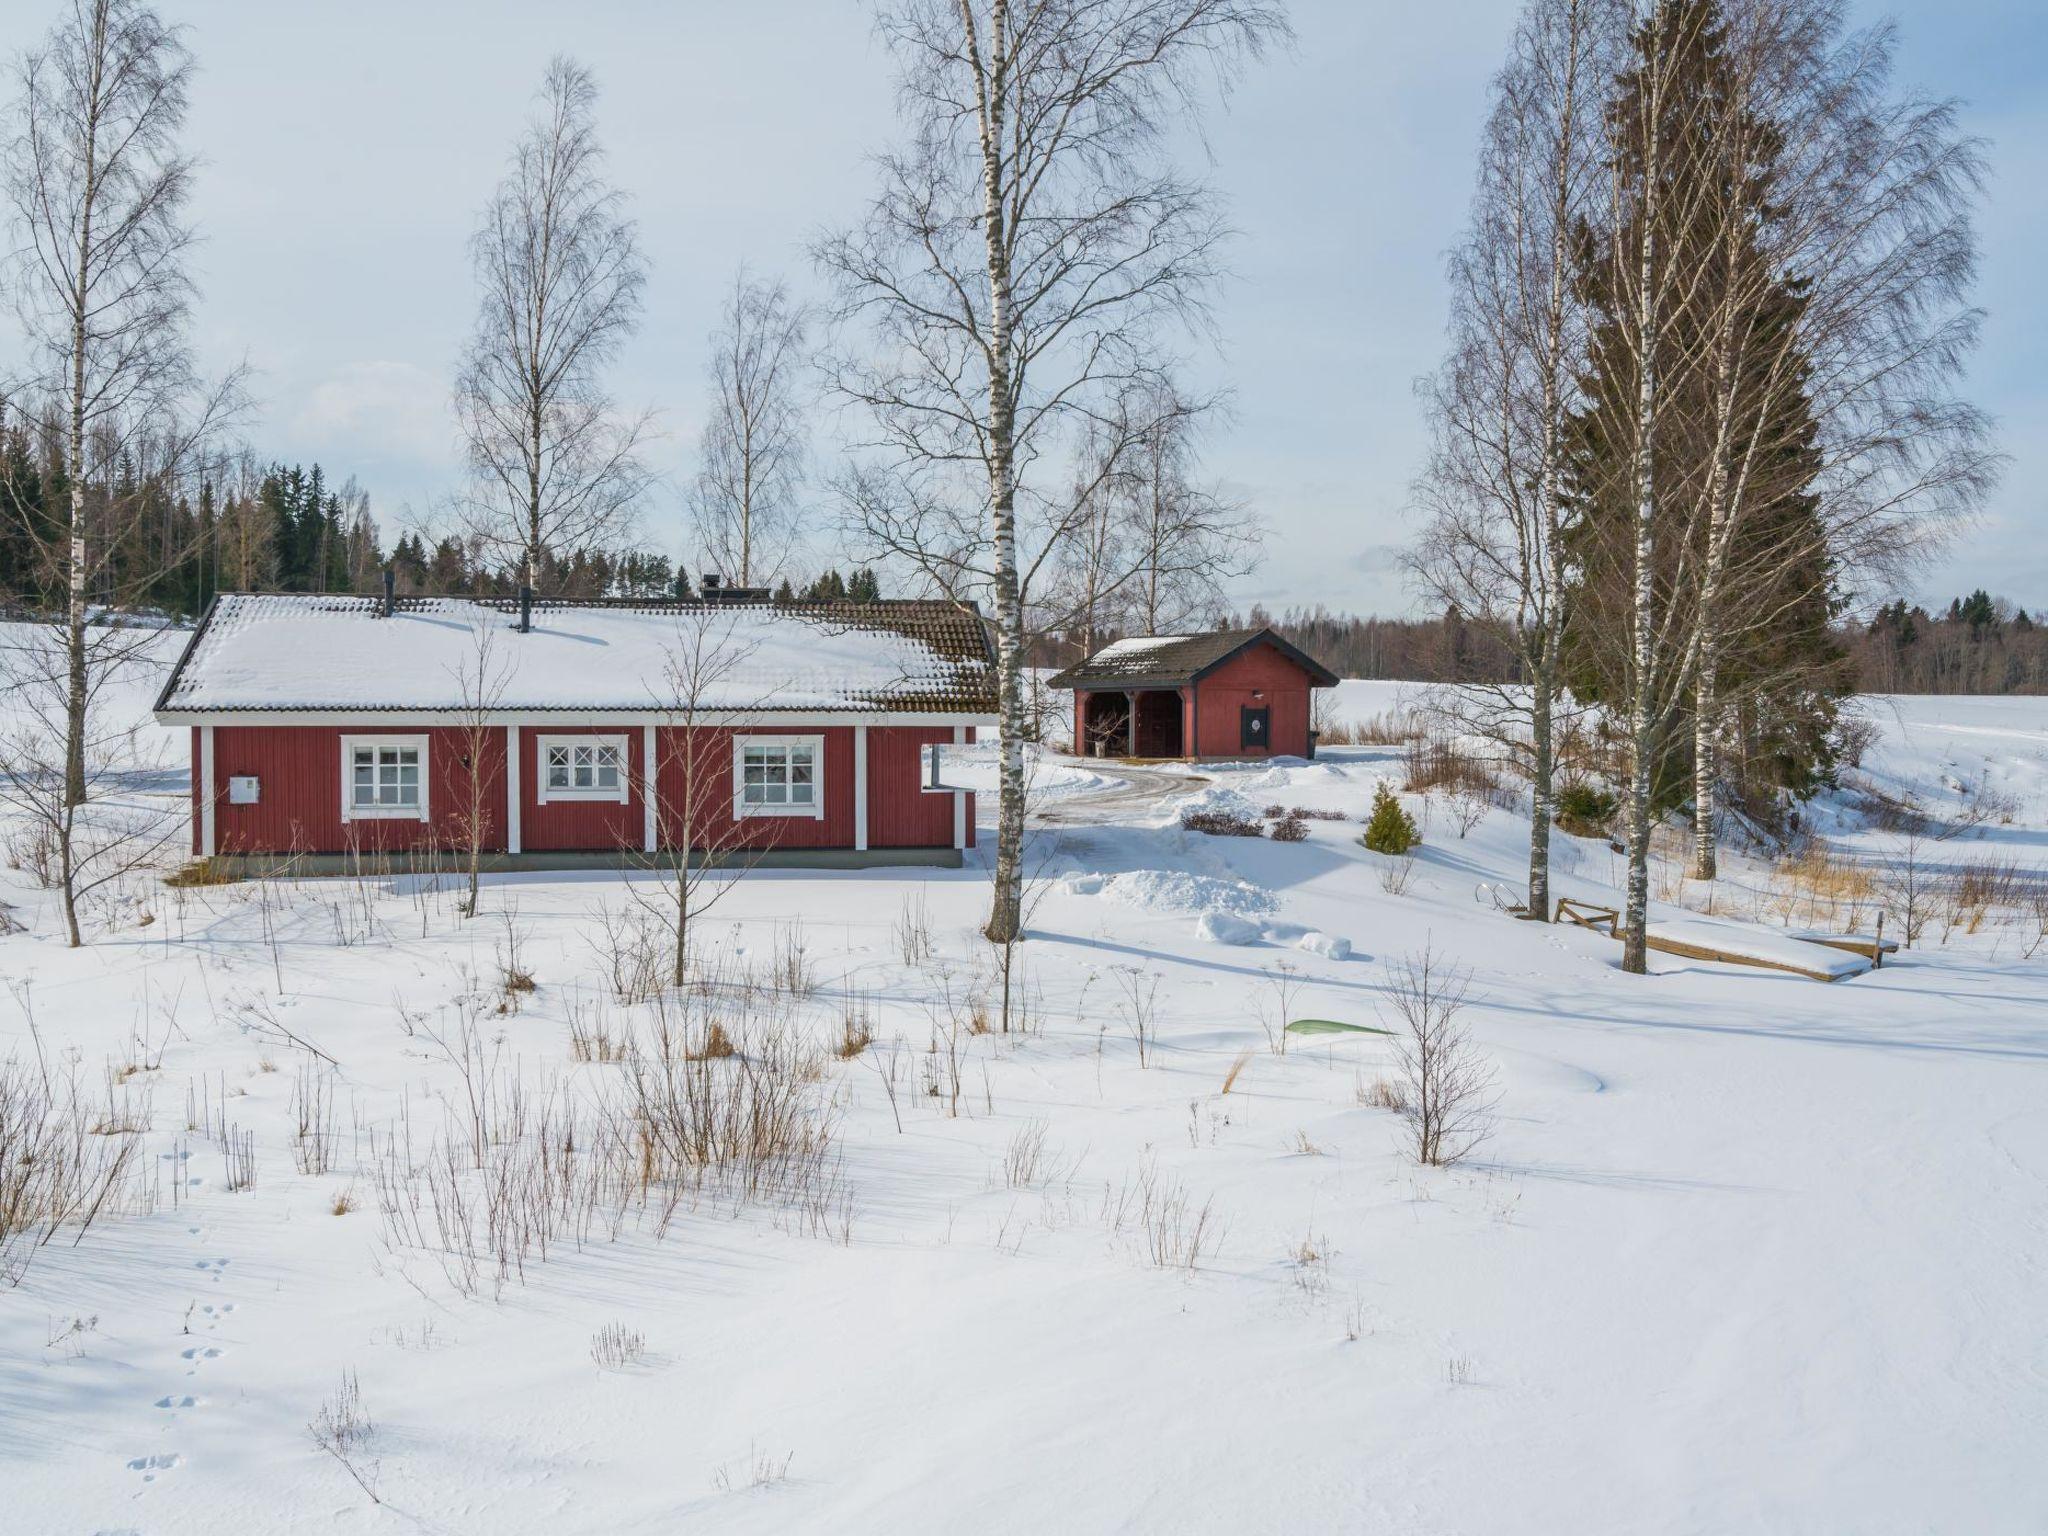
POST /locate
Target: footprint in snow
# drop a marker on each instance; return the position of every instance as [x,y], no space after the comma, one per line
[150,1466]
[178,1400]
[198,1354]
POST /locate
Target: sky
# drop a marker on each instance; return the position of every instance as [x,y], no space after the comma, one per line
[347,148]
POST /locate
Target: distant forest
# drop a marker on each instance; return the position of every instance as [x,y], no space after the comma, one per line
[1978,644]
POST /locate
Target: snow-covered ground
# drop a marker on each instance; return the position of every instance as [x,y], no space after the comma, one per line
[1745,1251]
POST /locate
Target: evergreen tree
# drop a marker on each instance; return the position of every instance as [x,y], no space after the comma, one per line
[1778,663]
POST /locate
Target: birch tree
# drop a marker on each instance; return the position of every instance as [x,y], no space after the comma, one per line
[97,182]
[1030,243]
[751,456]
[1188,538]
[555,469]
[1499,406]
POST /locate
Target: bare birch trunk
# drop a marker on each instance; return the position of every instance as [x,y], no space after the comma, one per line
[1642,637]
[1006,904]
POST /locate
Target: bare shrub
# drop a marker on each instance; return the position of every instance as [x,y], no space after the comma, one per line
[1396,874]
[1221,824]
[56,1172]
[914,931]
[313,1117]
[591,1037]
[1276,1006]
[791,967]
[1029,1161]
[615,1347]
[632,945]
[1448,1085]
[1468,806]
[1908,885]
[1171,1230]
[1138,1003]
[1439,762]
[1290,829]
[754,1124]
[343,1429]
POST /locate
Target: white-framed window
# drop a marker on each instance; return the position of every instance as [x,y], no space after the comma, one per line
[383,778]
[778,776]
[584,768]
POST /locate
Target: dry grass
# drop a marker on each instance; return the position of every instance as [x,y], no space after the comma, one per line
[1382,1093]
[714,1044]
[1236,1070]
[1440,763]
[856,1032]
[615,1347]
[344,1201]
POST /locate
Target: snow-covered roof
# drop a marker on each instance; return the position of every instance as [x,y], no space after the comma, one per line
[266,652]
[1167,661]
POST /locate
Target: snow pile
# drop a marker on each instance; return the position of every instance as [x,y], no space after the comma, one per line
[1177,890]
[1222,928]
[1328,945]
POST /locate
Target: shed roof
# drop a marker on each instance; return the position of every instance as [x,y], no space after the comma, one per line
[1177,661]
[260,652]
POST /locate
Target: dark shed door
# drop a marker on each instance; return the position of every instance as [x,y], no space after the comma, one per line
[1255,727]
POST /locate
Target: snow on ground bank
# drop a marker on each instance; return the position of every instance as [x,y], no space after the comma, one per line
[1746,1252]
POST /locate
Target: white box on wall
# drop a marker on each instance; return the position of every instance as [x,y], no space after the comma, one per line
[244,789]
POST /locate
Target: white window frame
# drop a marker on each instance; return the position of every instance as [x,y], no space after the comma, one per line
[544,793]
[350,811]
[742,810]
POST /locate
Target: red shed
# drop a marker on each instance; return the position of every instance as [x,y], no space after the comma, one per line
[1231,693]
[576,734]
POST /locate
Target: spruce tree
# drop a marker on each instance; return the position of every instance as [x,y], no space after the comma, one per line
[1777,663]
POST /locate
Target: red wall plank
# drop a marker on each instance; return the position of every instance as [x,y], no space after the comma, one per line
[901,815]
[299,771]
[1260,677]
[588,826]
[696,778]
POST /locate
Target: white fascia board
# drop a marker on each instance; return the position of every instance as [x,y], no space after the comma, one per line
[564,721]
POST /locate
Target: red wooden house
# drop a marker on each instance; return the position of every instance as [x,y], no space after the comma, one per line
[1231,693]
[575,734]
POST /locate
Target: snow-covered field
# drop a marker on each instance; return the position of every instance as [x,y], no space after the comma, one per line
[1744,1252]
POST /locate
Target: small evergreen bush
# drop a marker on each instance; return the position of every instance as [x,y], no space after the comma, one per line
[1389,829]
[1584,809]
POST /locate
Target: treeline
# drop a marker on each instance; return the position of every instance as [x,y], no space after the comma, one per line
[1978,644]
[286,528]
[1981,644]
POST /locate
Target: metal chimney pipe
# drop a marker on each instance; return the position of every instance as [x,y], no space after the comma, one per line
[390,591]
[525,610]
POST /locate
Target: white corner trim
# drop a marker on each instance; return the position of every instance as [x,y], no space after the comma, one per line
[860,788]
[742,811]
[960,800]
[512,795]
[650,773]
[545,793]
[353,812]
[208,843]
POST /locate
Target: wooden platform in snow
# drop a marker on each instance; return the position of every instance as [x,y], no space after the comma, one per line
[1828,958]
